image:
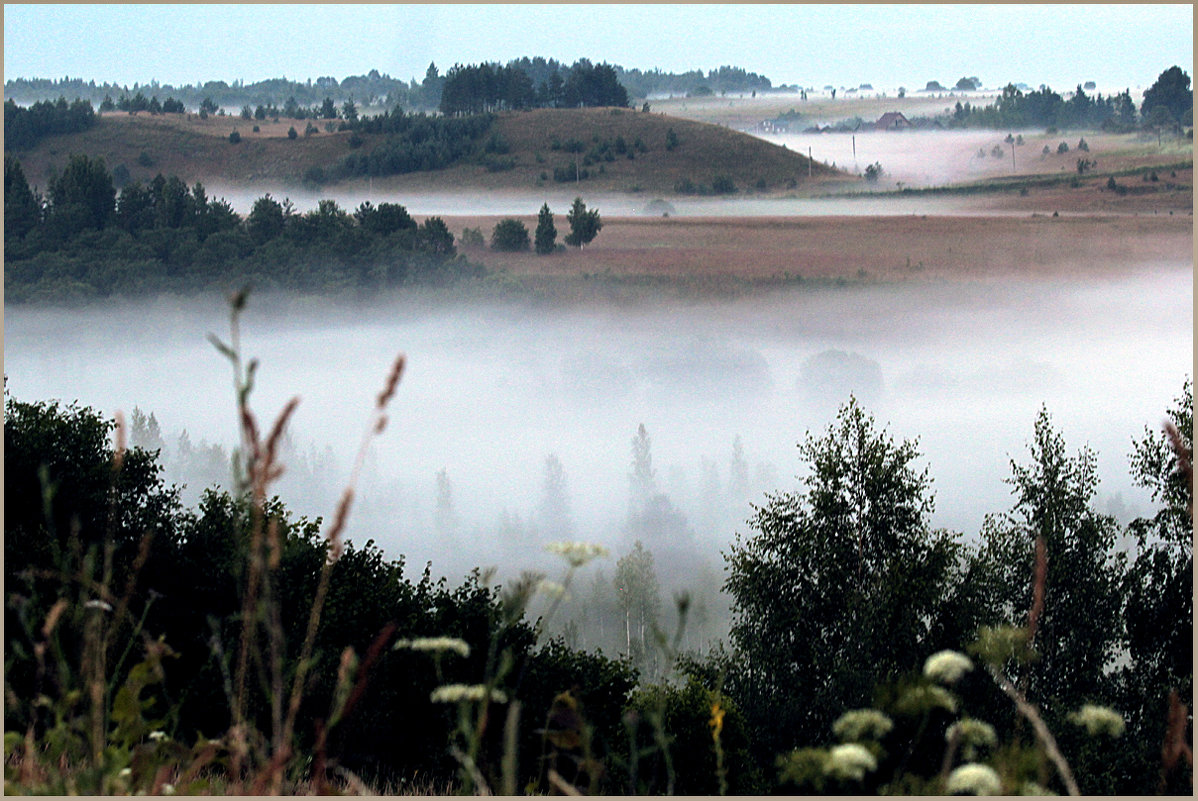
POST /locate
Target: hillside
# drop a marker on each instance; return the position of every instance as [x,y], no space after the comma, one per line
[526,149]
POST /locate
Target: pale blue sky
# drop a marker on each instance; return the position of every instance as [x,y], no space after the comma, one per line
[887,45]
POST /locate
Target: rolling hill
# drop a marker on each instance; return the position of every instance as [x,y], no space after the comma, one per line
[613,150]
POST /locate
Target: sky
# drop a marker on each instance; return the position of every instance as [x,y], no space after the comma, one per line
[1116,46]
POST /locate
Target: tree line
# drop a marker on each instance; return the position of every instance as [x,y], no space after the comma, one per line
[852,619]
[372,89]
[1169,102]
[84,239]
[493,87]
[25,127]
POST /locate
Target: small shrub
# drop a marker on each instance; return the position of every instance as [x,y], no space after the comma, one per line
[234,138]
[472,238]
[1083,145]
[511,236]
[1063,147]
[291,133]
[314,175]
[873,172]
[143,158]
[356,140]
[257,129]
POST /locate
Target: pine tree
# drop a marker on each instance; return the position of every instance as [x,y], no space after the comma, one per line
[584,224]
[545,239]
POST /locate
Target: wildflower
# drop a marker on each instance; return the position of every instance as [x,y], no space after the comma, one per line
[577,554]
[717,720]
[125,772]
[850,761]
[458,646]
[552,588]
[168,789]
[157,735]
[98,604]
[454,693]
[1098,720]
[972,732]
[860,724]
[973,779]
[921,699]
[947,667]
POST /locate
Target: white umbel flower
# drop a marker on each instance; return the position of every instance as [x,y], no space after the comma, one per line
[453,693]
[460,647]
[1098,720]
[974,779]
[947,667]
[850,761]
[577,554]
[860,724]
[972,732]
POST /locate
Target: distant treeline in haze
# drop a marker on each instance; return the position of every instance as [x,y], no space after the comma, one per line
[374,89]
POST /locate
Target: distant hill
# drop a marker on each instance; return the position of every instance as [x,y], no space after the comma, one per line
[606,149]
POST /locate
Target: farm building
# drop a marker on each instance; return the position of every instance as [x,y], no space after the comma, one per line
[893,121]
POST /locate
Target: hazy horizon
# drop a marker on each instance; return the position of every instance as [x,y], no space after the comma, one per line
[842,45]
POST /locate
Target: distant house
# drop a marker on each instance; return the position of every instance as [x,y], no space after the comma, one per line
[892,121]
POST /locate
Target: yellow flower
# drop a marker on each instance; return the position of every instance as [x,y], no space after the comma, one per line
[717,720]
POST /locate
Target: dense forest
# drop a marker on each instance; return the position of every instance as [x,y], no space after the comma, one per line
[84,240]
[237,647]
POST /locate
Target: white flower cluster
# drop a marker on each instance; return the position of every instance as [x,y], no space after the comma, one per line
[454,693]
[850,761]
[577,553]
[972,732]
[459,647]
[552,589]
[973,779]
[1098,720]
[947,667]
[861,724]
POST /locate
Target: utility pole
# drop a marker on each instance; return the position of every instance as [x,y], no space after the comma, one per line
[808,161]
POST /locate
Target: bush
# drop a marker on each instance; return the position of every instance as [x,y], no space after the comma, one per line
[511,236]
[291,133]
[873,172]
[234,138]
[723,185]
[257,129]
[1063,147]
[472,238]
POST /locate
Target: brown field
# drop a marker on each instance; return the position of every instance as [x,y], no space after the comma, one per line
[854,248]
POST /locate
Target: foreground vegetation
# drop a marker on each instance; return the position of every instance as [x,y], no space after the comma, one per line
[234,647]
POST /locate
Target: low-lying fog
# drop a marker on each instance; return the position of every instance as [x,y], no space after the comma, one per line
[493,389]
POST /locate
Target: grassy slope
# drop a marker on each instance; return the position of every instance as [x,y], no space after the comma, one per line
[198,149]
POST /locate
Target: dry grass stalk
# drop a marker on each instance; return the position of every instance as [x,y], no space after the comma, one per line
[1029,711]
[333,539]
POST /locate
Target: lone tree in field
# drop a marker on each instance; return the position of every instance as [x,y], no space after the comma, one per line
[545,238]
[584,224]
